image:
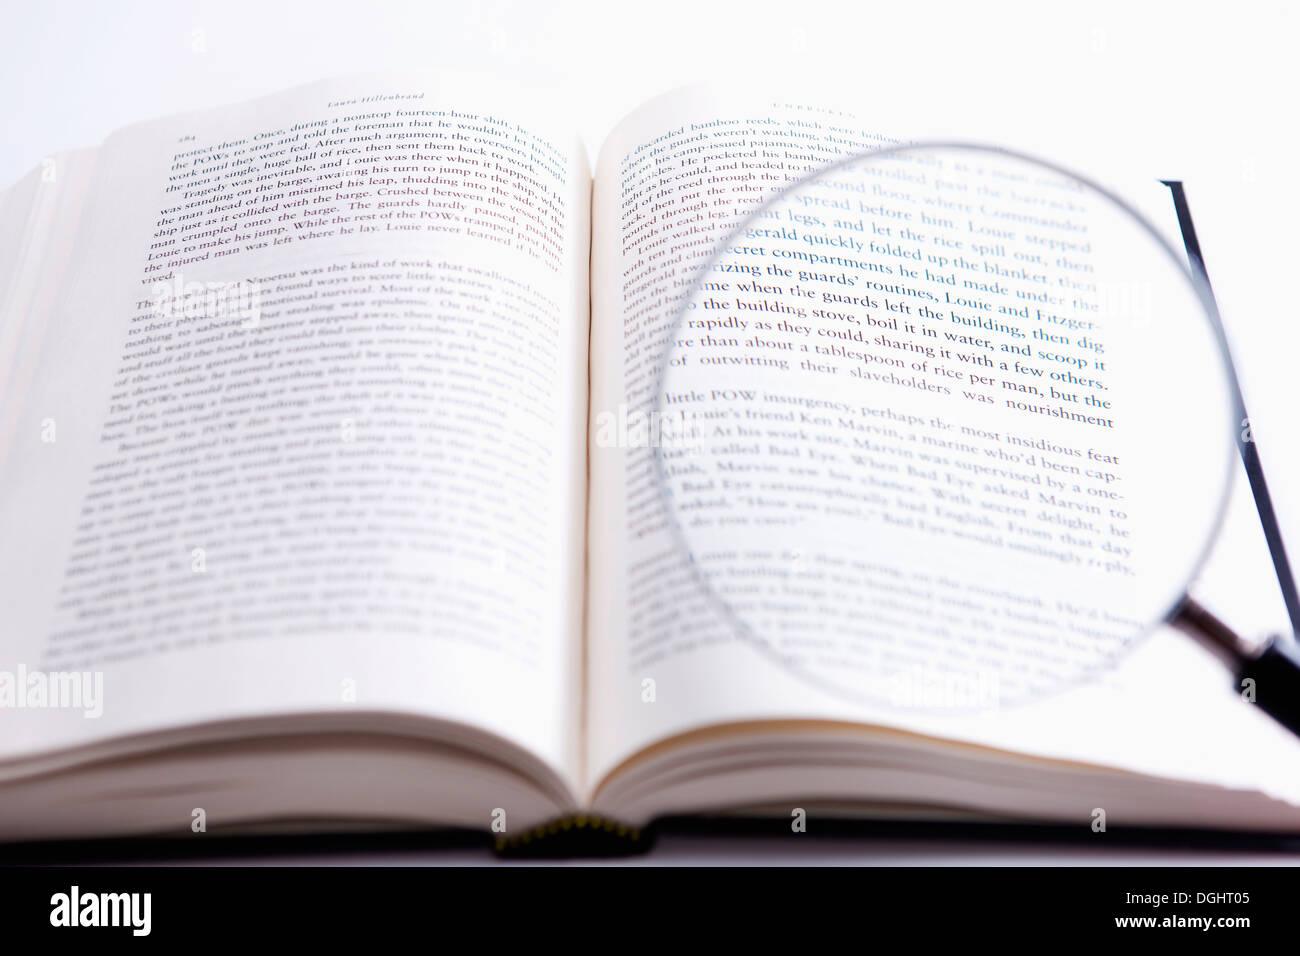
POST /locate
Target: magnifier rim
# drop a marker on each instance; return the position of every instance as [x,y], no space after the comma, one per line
[1210,314]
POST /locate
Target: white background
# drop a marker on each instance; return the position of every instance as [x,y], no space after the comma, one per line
[1202,92]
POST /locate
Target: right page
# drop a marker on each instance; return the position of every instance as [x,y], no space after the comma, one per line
[672,181]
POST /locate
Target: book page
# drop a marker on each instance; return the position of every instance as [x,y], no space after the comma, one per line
[672,182]
[305,431]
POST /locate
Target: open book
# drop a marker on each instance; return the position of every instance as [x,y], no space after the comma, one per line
[306,514]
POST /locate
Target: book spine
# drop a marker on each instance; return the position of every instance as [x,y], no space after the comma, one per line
[582,834]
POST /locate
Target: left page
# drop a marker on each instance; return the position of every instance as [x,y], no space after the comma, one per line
[303,431]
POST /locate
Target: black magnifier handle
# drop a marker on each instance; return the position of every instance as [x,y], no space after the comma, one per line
[1268,676]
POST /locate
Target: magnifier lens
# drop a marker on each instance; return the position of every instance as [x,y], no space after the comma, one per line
[944,426]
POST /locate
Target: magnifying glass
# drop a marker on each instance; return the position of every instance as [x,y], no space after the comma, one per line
[949,427]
